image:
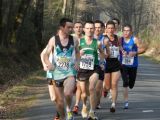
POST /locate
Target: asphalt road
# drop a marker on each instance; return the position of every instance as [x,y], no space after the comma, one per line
[144,99]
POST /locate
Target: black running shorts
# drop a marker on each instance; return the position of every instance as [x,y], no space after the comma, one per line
[112,65]
[86,74]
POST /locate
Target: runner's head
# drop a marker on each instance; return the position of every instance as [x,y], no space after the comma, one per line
[99,27]
[78,28]
[66,25]
[127,31]
[110,27]
[89,28]
[116,22]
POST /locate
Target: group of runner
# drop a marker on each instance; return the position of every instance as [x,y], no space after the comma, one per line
[92,60]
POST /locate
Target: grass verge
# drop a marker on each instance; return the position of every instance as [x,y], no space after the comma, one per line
[15,100]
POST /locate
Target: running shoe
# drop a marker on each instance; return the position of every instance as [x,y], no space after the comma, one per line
[84,112]
[98,106]
[70,116]
[112,109]
[57,117]
[104,94]
[75,110]
[126,105]
[92,116]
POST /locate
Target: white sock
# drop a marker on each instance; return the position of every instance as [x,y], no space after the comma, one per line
[113,105]
[68,109]
[91,111]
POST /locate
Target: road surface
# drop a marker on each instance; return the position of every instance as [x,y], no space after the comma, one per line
[144,99]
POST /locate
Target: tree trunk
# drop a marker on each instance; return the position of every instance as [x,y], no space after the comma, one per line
[24,5]
[1,21]
[5,42]
[140,16]
[39,23]
[64,7]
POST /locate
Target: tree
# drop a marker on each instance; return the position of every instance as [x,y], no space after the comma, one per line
[128,11]
[64,7]
[1,20]
[38,22]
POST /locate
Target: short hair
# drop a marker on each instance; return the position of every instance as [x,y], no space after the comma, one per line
[79,23]
[118,21]
[63,21]
[89,21]
[99,21]
[110,22]
[127,25]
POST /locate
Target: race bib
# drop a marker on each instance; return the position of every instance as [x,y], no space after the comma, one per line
[114,52]
[127,60]
[63,63]
[87,62]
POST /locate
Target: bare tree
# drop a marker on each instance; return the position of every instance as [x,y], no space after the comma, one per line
[64,7]
[128,11]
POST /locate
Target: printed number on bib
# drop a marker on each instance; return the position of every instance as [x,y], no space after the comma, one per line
[87,62]
[127,60]
[63,63]
[114,52]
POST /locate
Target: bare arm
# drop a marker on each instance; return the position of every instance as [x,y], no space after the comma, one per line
[106,43]
[120,47]
[42,58]
[77,50]
[77,53]
[49,49]
[101,51]
[141,46]
[120,44]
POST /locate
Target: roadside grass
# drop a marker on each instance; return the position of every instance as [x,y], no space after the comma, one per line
[151,38]
[153,51]
[154,59]
[15,100]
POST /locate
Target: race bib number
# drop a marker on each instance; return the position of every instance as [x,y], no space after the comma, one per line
[87,62]
[114,52]
[63,63]
[127,60]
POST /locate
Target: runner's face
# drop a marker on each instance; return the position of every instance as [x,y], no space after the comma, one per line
[127,32]
[89,29]
[78,28]
[98,29]
[68,28]
[116,24]
[110,29]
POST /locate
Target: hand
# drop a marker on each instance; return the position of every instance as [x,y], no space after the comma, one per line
[81,52]
[45,68]
[132,53]
[50,67]
[102,66]
[124,53]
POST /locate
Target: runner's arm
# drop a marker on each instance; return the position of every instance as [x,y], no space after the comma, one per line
[49,49]
[101,51]
[141,45]
[77,54]
[106,43]
[42,58]
[120,47]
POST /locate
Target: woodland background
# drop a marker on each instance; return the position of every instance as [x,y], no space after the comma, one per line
[26,26]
